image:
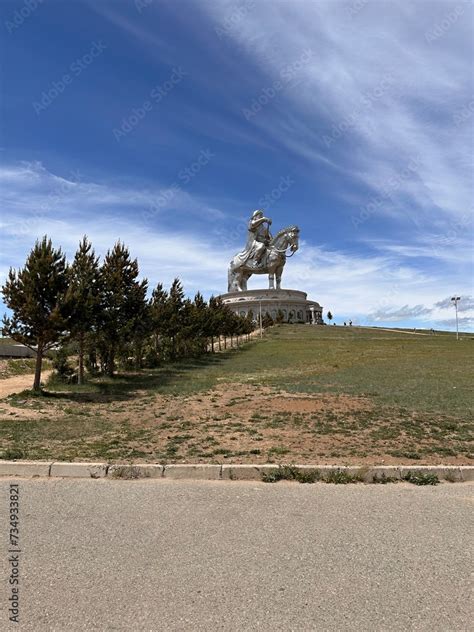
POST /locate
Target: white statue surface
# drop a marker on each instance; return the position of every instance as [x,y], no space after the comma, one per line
[263,253]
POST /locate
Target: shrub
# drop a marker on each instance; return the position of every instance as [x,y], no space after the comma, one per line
[291,473]
[421,478]
[63,370]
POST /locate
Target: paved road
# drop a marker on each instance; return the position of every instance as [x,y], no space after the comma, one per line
[172,555]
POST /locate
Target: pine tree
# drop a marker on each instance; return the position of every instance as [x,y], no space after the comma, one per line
[83,298]
[175,305]
[35,294]
[267,320]
[200,322]
[142,327]
[249,324]
[329,315]
[212,321]
[280,317]
[158,315]
[219,320]
[123,302]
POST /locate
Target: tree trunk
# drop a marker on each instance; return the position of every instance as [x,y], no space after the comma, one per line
[39,363]
[80,375]
[220,344]
[111,364]
[138,356]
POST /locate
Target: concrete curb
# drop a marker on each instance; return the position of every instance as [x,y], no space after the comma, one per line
[25,468]
[78,470]
[210,472]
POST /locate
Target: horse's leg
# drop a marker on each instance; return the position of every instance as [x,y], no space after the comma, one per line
[270,270]
[242,281]
[271,280]
[279,272]
[233,278]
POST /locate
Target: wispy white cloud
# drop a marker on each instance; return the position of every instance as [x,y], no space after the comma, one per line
[350,284]
[378,80]
[400,314]
[37,202]
[466,304]
[465,323]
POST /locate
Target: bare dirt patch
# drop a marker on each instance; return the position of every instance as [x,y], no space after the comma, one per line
[10,385]
[236,423]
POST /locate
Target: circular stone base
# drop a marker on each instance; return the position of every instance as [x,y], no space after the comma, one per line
[293,304]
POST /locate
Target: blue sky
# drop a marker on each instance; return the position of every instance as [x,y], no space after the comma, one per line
[165,124]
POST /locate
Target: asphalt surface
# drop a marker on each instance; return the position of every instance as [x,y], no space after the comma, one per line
[174,555]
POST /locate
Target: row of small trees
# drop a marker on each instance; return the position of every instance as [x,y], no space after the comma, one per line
[102,310]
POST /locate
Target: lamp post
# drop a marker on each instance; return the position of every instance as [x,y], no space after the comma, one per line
[455,300]
[261,324]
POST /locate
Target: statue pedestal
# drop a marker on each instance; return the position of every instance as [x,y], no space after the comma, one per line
[294,305]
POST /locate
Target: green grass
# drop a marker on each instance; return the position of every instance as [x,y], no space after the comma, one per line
[425,373]
[419,388]
[341,477]
[421,478]
[20,366]
[291,473]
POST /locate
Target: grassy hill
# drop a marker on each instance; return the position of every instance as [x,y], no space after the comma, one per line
[302,394]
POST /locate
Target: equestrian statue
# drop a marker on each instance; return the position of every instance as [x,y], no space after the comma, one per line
[263,253]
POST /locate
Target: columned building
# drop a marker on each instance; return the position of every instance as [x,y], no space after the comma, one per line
[293,305]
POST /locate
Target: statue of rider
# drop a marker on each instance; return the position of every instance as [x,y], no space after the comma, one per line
[258,238]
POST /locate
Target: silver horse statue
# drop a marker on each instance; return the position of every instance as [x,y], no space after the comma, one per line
[264,254]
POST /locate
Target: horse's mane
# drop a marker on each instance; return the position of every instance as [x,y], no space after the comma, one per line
[288,229]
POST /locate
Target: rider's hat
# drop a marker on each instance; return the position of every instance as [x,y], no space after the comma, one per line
[257,212]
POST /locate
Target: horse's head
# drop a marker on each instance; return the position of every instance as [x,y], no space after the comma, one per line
[294,238]
[287,238]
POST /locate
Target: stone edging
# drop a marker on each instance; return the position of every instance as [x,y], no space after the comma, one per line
[365,474]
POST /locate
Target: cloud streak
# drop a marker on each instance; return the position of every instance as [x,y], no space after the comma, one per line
[365,288]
